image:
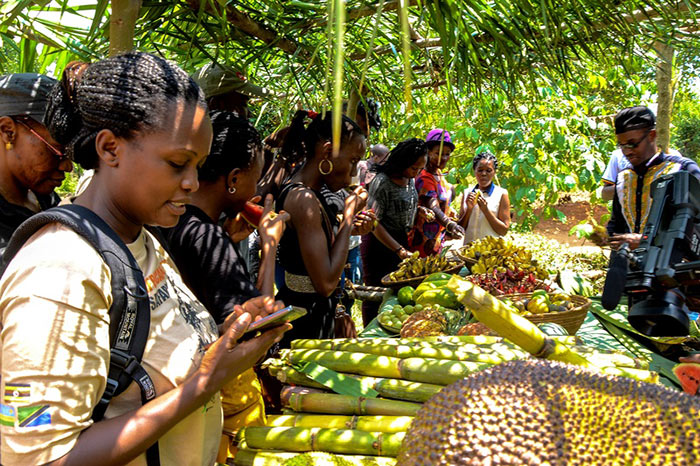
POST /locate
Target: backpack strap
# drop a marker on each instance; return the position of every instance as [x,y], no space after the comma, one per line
[130,314]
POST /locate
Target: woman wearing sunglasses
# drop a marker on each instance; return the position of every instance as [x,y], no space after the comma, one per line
[32,164]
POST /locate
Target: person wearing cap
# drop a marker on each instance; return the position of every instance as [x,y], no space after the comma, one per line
[435,194]
[32,163]
[228,89]
[635,130]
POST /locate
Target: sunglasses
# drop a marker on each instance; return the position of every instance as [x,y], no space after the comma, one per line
[634,145]
[58,153]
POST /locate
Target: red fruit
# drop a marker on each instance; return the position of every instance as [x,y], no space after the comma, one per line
[252,213]
[689,375]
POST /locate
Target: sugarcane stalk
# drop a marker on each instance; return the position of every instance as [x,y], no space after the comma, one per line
[504,319]
[638,374]
[437,371]
[278,458]
[465,352]
[331,403]
[405,390]
[343,441]
[387,424]
[442,371]
[605,358]
[338,344]
[387,388]
[354,363]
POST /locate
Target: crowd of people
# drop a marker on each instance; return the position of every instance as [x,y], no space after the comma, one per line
[173,161]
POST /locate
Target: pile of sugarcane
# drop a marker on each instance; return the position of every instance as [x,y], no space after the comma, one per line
[394,377]
[403,373]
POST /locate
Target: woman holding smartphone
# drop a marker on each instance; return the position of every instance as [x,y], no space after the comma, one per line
[142,124]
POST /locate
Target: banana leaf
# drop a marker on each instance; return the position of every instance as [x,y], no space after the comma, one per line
[618,318]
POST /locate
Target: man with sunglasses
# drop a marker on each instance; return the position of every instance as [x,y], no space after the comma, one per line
[32,164]
[635,130]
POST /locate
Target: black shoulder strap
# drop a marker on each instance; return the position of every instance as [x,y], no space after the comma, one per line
[130,314]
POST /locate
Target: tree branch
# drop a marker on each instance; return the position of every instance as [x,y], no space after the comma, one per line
[253,28]
[384,49]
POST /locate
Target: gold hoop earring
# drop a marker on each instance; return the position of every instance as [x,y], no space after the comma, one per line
[8,146]
[320,167]
[232,190]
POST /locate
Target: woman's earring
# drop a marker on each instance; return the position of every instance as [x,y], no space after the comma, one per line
[320,167]
[232,190]
[8,146]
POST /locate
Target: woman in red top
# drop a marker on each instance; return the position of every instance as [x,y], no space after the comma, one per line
[435,194]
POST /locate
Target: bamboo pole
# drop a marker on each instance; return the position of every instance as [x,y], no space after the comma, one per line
[505,320]
[387,424]
[330,403]
[343,441]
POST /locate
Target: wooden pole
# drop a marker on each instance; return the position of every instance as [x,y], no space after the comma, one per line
[122,23]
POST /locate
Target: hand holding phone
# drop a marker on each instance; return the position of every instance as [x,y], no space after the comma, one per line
[275,319]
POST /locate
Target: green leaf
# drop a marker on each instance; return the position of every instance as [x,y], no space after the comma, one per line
[339,383]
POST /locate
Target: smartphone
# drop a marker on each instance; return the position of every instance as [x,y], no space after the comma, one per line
[275,319]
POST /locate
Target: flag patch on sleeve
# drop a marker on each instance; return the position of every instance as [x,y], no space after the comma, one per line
[7,415]
[17,393]
[33,416]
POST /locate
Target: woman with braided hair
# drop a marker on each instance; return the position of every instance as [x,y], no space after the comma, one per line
[314,248]
[492,218]
[394,199]
[142,124]
[209,259]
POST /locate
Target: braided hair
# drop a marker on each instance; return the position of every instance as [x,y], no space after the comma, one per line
[485,156]
[301,140]
[128,94]
[235,145]
[404,155]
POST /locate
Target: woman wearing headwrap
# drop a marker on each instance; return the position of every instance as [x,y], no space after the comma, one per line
[435,195]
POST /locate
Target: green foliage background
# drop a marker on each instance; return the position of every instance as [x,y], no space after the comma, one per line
[521,79]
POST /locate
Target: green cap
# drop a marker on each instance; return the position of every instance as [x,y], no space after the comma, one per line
[216,80]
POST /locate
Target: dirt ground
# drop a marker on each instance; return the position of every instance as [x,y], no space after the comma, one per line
[575,212]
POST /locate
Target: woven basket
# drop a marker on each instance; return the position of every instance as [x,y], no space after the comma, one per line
[415,281]
[571,320]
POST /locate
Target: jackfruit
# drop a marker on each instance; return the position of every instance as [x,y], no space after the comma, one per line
[538,412]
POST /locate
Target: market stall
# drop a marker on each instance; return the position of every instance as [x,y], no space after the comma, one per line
[354,399]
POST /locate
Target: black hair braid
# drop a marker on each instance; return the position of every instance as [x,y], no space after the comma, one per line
[300,141]
[126,94]
[235,144]
[485,156]
[404,155]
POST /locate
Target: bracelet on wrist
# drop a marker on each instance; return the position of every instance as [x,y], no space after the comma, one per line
[397,250]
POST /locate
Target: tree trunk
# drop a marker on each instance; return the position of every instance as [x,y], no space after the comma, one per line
[664,84]
[121,25]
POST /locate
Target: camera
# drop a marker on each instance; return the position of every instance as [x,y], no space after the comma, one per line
[661,278]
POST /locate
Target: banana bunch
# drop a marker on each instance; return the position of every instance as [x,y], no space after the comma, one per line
[416,266]
[499,254]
